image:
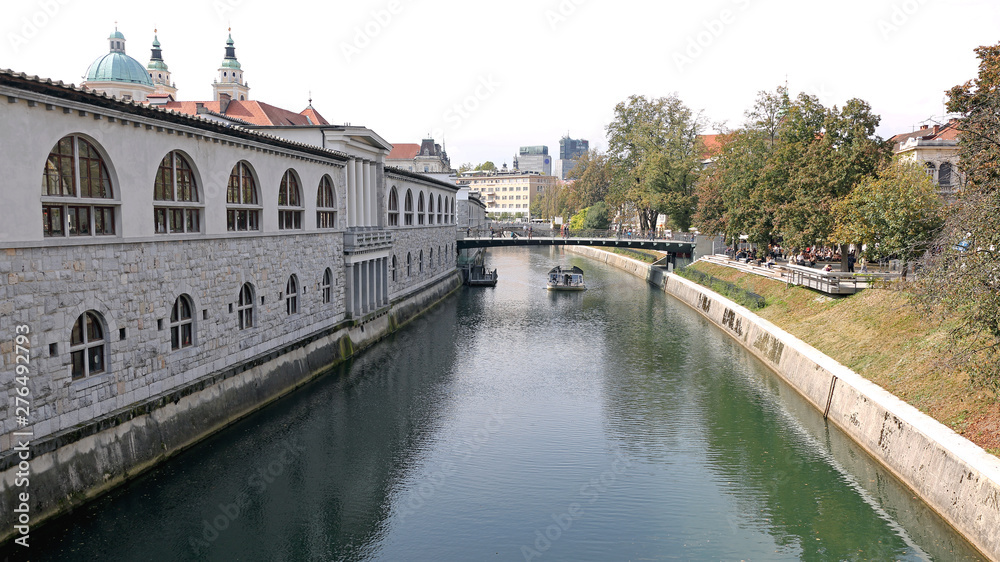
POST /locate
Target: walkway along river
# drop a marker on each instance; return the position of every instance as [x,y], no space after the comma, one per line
[518,424]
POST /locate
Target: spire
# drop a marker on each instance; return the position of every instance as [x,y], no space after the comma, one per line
[156,58]
[230,60]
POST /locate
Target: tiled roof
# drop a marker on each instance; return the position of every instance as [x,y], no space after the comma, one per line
[948,131]
[175,115]
[250,111]
[406,151]
[314,115]
[713,144]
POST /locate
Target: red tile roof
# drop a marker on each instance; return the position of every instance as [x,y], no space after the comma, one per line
[713,144]
[404,151]
[251,111]
[314,115]
[948,131]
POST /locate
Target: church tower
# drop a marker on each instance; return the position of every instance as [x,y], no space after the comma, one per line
[158,71]
[230,81]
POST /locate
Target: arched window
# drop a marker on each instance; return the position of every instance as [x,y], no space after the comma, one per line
[393,207]
[430,259]
[420,208]
[175,184]
[452,207]
[408,209]
[244,307]
[182,323]
[242,203]
[394,268]
[944,174]
[421,261]
[409,264]
[326,287]
[326,204]
[289,203]
[430,210]
[76,169]
[440,211]
[87,345]
[292,295]
[440,256]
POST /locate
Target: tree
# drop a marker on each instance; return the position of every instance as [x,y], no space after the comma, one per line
[486,166]
[597,217]
[467,167]
[895,213]
[962,278]
[654,157]
[778,177]
[592,173]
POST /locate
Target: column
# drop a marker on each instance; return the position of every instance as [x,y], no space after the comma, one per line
[365,282]
[352,182]
[349,290]
[371,285]
[357,290]
[362,191]
[373,192]
[378,282]
[367,211]
[385,281]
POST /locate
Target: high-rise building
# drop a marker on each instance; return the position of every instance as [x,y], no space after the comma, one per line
[569,150]
[572,148]
[534,159]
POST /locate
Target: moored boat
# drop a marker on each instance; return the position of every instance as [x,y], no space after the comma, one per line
[565,279]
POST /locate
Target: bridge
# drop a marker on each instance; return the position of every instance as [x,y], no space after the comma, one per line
[678,248]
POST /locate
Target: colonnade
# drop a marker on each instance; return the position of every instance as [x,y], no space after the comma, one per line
[362,192]
[367,286]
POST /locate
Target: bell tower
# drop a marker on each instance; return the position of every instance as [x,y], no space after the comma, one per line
[230,80]
[159,73]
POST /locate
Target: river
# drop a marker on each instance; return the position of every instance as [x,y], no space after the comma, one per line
[516,424]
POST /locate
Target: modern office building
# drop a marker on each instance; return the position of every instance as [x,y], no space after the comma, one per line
[534,159]
[569,150]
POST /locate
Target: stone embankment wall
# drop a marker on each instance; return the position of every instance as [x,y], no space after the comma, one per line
[956,478]
[94,457]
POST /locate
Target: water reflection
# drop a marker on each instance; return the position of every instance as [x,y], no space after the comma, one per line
[514,423]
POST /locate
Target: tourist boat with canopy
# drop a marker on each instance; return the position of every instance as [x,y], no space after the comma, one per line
[565,279]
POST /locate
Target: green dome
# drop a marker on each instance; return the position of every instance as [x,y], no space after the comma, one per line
[118,67]
[231,63]
[117,35]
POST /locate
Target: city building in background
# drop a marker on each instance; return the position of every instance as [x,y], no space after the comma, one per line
[569,151]
[507,191]
[425,158]
[936,147]
[534,159]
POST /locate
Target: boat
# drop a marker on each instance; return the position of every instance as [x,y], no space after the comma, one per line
[565,279]
[479,276]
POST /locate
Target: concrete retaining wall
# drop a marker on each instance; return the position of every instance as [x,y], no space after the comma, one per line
[955,477]
[90,459]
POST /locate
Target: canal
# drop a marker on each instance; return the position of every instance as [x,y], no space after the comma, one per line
[516,424]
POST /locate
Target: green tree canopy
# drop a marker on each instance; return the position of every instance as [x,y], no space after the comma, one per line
[895,213]
[654,155]
[963,276]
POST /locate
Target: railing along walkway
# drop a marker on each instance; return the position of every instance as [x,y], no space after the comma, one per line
[830,282]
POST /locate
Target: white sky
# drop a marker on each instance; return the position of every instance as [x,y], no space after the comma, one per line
[527,72]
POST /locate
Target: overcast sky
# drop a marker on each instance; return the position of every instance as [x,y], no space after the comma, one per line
[489,77]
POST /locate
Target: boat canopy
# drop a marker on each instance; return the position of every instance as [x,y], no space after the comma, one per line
[558,270]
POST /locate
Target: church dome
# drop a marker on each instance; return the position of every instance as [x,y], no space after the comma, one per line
[116,66]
